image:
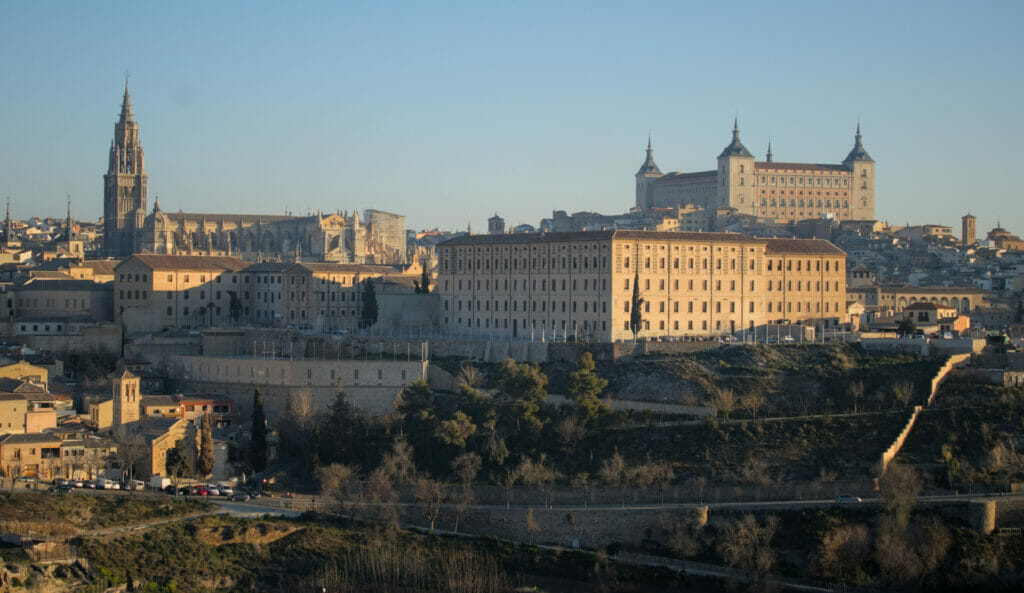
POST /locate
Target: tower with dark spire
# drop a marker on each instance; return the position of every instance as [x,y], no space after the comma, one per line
[645,178]
[735,175]
[124,186]
[768,157]
[860,163]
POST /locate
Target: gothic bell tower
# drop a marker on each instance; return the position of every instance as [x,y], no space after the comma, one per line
[124,186]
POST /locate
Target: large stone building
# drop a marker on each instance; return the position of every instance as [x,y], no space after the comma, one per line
[581,284]
[337,237]
[156,292]
[771,191]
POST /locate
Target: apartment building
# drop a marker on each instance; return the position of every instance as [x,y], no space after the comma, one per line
[153,292]
[40,298]
[327,296]
[267,282]
[25,407]
[691,284]
[35,455]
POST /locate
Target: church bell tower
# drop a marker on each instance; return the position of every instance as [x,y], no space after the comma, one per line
[124,186]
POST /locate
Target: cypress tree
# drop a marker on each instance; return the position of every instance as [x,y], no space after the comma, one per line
[425,280]
[636,319]
[258,443]
[369,314]
[206,460]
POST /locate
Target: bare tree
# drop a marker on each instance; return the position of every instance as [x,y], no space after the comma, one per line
[582,481]
[467,466]
[746,544]
[131,449]
[723,400]
[470,376]
[430,495]
[615,474]
[336,482]
[899,486]
[683,534]
[399,464]
[507,479]
[698,484]
[752,402]
[662,475]
[641,477]
[571,430]
[856,391]
[538,474]
[843,551]
[300,409]
[379,492]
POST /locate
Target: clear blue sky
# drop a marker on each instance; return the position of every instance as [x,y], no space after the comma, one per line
[448,112]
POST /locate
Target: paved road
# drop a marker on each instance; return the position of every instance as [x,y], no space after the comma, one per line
[294,506]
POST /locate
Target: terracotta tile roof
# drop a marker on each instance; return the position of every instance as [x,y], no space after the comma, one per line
[341,268]
[801,247]
[30,438]
[933,289]
[188,262]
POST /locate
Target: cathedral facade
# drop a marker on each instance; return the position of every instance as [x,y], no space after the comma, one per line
[379,238]
[338,237]
[771,191]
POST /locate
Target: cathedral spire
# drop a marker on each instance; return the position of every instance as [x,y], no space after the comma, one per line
[7,223]
[769,150]
[126,105]
[67,223]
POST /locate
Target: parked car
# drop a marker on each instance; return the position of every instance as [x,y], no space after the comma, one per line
[254,494]
[212,491]
[848,498]
[226,491]
[199,491]
[78,484]
[240,497]
[788,339]
[169,489]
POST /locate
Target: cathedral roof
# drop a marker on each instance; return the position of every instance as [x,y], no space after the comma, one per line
[857,153]
[648,167]
[735,147]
